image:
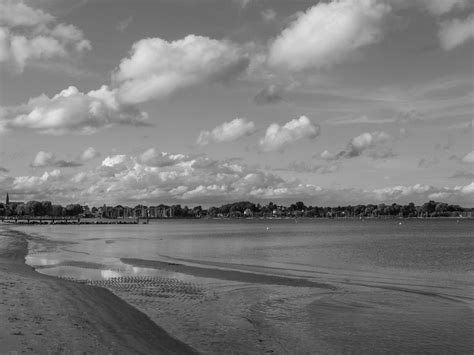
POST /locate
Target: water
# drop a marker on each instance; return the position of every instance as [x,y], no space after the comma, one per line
[255,286]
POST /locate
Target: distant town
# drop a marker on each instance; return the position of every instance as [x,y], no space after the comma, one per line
[242,209]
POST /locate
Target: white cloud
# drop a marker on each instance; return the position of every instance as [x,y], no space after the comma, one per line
[28,34]
[456,32]
[114,160]
[457,194]
[227,132]
[71,111]
[199,180]
[15,14]
[468,189]
[43,159]
[48,159]
[89,154]
[152,157]
[326,33]
[441,7]
[156,68]
[360,144]
[396,192]
[278,137]
[468,158]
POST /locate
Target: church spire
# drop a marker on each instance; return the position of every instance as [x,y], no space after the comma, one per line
[7,201]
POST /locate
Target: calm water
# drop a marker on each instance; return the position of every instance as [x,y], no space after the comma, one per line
[404,287]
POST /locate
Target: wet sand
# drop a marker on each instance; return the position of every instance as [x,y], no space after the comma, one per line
[42,314]
[228,275]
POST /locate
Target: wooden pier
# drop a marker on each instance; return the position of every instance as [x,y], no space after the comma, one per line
[67,220]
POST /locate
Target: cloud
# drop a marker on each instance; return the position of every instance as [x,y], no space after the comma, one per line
[409,116]
[268,95]
[227,132]
[453,33]
[428,162]
[462,175]
[278,137]
[305,167]
[155,177]
[18,14]
[48,159]
[28,35]
[268,15]
[123,25]
[3,170]
[358,120]
[71,111]
[468,158]
[89,154]
[327,32]
[361,144]
[157,68]
[194,179]
[457,194]
[243,3]
[152,157]
[441,7]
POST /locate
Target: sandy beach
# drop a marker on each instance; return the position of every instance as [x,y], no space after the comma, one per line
[42,314]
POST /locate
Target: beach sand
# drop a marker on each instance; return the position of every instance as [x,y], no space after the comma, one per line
[42,314]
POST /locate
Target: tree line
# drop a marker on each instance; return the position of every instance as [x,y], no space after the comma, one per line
[246,209]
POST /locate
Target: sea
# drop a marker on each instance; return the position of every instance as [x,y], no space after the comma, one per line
[285,286]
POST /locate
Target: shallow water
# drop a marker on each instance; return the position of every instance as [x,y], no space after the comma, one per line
[369,285]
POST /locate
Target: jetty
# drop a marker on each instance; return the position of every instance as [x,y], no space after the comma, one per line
[68,220]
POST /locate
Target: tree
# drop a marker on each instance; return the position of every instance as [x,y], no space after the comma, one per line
[300,206]
[47,208]
[73,210]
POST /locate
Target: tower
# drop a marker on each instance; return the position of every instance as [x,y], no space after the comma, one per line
[7,200]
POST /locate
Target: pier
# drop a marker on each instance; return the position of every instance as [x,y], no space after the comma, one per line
[67,220]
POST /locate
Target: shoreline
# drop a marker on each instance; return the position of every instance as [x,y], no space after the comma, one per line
[43,314]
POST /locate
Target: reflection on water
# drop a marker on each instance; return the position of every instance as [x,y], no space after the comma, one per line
[400,288]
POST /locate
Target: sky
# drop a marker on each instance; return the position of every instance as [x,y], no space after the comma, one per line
[207,102]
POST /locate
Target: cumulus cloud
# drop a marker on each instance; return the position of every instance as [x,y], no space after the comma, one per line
[157,68]
[457,194]
[194,179]
[155,158]
[268,95]
[453,33]
[278,137]
[18,14]
[89,154]
[441,7]
[71,111]
[468,158]
[360,144]
[28,34]
[327,32]
[227,132]
[48,159]
[181,177]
